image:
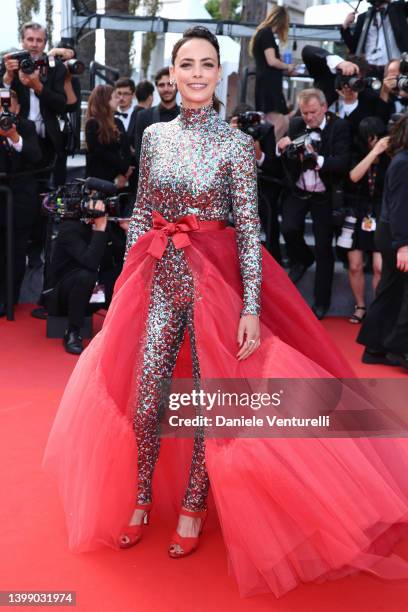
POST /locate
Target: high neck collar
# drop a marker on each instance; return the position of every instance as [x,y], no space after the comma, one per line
[198,117]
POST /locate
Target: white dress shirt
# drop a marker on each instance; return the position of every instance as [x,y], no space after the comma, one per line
[375,46]
[129,111]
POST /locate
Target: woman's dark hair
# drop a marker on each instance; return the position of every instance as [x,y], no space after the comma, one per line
[204,34]
[100,109]
[398,136]
[368,128]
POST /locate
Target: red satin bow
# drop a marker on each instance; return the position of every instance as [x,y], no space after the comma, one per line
[178,231]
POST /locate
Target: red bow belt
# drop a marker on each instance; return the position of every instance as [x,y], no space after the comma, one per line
[178,231]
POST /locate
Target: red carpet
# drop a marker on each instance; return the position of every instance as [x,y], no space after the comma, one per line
[34,556]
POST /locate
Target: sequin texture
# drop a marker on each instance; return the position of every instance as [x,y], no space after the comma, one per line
[196,164]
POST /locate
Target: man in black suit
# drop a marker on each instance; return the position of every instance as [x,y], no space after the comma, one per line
[166,110]
[381,33]
[127,111]
[19,152]
[312,182]
[41,95]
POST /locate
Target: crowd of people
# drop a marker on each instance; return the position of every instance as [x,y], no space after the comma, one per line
[330,163]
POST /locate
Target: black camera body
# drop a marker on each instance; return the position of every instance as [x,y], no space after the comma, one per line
[27,64]
[356,83]
[297,149]
[72,200]
[254,124]
[75,66]
[7,119]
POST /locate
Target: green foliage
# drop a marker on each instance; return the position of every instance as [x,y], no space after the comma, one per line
[234,12]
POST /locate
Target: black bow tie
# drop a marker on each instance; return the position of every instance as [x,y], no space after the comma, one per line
[119,114]
[309,130]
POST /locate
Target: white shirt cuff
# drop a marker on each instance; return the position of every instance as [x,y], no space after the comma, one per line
[277,151]
[259,162]
[333,61]
[320,161]
[17,146]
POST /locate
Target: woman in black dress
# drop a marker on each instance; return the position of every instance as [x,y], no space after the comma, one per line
[364,198]
[269,67]
[108,150]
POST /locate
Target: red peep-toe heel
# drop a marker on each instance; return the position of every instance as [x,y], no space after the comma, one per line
[187,544]
[133,533]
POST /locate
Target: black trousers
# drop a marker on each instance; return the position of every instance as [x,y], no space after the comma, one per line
[20,241]
[268,213]
[385,327]
[294,210]
[71,297]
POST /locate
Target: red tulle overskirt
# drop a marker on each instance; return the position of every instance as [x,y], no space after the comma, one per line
[291,510]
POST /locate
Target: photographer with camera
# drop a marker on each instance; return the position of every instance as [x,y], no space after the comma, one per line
[39,87]
[394,91]
[385,329]
[350,93]
[19,152]
[71,117]
[78,254]
[363,198]
[269,170]
[315,157]
[380,34]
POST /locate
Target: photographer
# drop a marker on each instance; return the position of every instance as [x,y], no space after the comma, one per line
[80,250]
[394,91]
[363,199]
[380,34]
[40,92]
[71,118]
[385,329]
[269,169]
[19,152]
[313,175]
[348,90]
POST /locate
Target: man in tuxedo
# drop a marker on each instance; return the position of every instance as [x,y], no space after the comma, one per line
[312,180]
[166,110]
[19,152]
[381,33]
[391,99]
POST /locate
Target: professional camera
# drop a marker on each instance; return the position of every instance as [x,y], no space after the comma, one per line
[28,65]
[75,66]
[72,201]
[7,119]
[402,79]
[356,83]
[254,124]
[298,148]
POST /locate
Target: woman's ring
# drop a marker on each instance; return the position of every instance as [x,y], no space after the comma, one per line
[251,341]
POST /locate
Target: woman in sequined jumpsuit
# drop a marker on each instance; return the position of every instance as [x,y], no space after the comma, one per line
[195,165]
[291,510]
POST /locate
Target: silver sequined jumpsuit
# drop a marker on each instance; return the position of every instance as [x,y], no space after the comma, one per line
[196,164]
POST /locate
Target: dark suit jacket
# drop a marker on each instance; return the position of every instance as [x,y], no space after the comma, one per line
[24,188]
[397,12]
[106,161]
[394,204]
[52,101]
[335,148]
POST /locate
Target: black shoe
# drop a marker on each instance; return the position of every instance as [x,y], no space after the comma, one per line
[400,359]
[296,272]
[373,357]
[3,310]
[320,311]
[39,313]
[73,342]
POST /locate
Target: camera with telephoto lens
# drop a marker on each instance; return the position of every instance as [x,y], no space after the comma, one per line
[27,64]
[254,124]
[346,238]
[73,200]
[7,119]
[297,149]
[402,79]
[75,66]
[356,83]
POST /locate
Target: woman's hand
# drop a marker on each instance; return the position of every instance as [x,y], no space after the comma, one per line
[248,336]
[381,146]
[402,259]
